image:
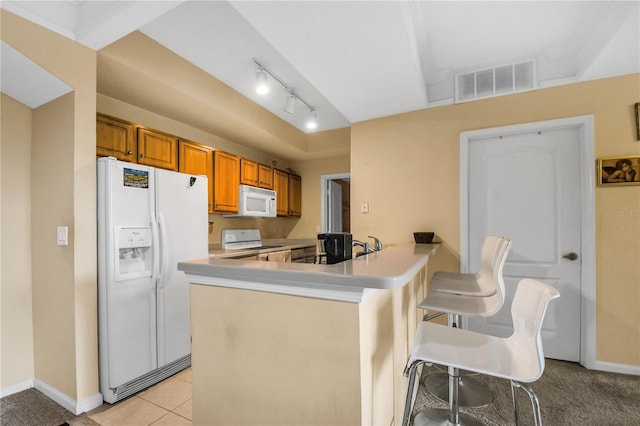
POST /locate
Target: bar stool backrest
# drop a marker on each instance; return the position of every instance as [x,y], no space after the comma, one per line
[494,302]
[491,249]
[527,311]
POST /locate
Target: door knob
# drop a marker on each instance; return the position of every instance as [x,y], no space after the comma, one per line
[570,256]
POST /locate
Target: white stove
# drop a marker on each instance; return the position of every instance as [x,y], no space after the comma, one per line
[237,239]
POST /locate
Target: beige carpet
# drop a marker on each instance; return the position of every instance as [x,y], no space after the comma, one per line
[569,395]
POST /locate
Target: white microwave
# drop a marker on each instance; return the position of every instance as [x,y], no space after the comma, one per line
[255,202]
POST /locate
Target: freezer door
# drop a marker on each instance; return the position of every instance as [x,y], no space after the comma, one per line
[182,204]
[126,297]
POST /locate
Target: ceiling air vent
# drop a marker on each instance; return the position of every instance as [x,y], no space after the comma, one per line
[495,81]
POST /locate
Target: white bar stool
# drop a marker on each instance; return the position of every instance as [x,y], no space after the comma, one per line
[471,393]
[518,358]
[468,393]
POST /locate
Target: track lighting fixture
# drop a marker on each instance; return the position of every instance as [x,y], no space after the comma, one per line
[262,88]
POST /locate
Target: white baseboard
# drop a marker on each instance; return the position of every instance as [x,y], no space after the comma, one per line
[16,387]
[76,407]
[616,368]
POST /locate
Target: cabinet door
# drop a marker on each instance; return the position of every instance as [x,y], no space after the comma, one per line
[115,138]
[295,195]
[226,178]
[265,176]
[248,172]
[197,159]
[157,149]
[281,186]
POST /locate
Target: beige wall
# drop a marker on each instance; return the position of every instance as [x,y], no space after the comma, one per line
[16,357]
[311,171]
[53,274]
[406,167]
[63,192]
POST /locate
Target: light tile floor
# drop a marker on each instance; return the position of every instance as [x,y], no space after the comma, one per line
[166,403]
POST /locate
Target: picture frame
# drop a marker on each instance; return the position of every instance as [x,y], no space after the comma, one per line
[619,171]
[637,107]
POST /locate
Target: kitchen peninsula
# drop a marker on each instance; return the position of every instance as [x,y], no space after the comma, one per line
[294,343]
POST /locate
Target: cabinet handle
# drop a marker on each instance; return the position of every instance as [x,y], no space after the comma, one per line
[142,155]
[129,152]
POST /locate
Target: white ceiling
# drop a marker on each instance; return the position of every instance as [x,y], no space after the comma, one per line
[355,61]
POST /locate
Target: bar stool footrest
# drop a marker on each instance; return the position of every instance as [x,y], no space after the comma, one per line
[471,393]
[440,417]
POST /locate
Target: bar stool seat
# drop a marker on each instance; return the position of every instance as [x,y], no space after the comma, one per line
[518,358]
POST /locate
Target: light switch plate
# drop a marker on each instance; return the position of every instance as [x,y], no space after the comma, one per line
[364,207]
[63,235]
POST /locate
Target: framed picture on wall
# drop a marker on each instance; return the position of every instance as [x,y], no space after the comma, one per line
[619,171]
[638,120]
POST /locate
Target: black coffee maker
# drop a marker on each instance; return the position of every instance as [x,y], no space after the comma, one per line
[337,246]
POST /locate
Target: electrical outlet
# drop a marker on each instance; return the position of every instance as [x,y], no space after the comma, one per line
[364,207]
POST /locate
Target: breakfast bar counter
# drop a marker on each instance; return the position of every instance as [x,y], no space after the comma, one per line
[294,344]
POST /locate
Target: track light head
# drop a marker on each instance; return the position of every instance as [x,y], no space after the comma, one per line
[290,105]
[311,120]
[262,85]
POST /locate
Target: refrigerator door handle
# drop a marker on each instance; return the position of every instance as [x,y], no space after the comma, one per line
[156,249]
[164,248]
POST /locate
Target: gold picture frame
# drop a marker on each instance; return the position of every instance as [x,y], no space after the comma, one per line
[619,171]
[638,120]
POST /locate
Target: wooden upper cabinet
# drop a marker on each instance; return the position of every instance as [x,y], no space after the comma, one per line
[197,159]
[295,195]
[265,176]
[115,138]
[226,178]
[281,186]
[248,172]
[157,149]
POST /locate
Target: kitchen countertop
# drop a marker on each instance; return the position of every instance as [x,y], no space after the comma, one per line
[277,244]
[348,281]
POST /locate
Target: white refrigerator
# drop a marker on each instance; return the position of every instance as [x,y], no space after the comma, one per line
[148,220]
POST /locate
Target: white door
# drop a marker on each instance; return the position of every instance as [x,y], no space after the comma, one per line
[334,200]
[181,202]
[527,187]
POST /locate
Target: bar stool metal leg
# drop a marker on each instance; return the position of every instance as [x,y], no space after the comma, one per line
[514,398]
[408,405]
[535,404]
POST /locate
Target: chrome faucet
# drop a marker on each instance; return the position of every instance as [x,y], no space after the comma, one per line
[365,247]
[377,244]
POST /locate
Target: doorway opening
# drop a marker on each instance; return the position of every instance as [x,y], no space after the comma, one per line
[335,202]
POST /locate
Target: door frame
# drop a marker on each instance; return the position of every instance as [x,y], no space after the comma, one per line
[323,196]
[587,200]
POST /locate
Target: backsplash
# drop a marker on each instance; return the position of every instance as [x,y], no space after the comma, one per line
[271,228]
